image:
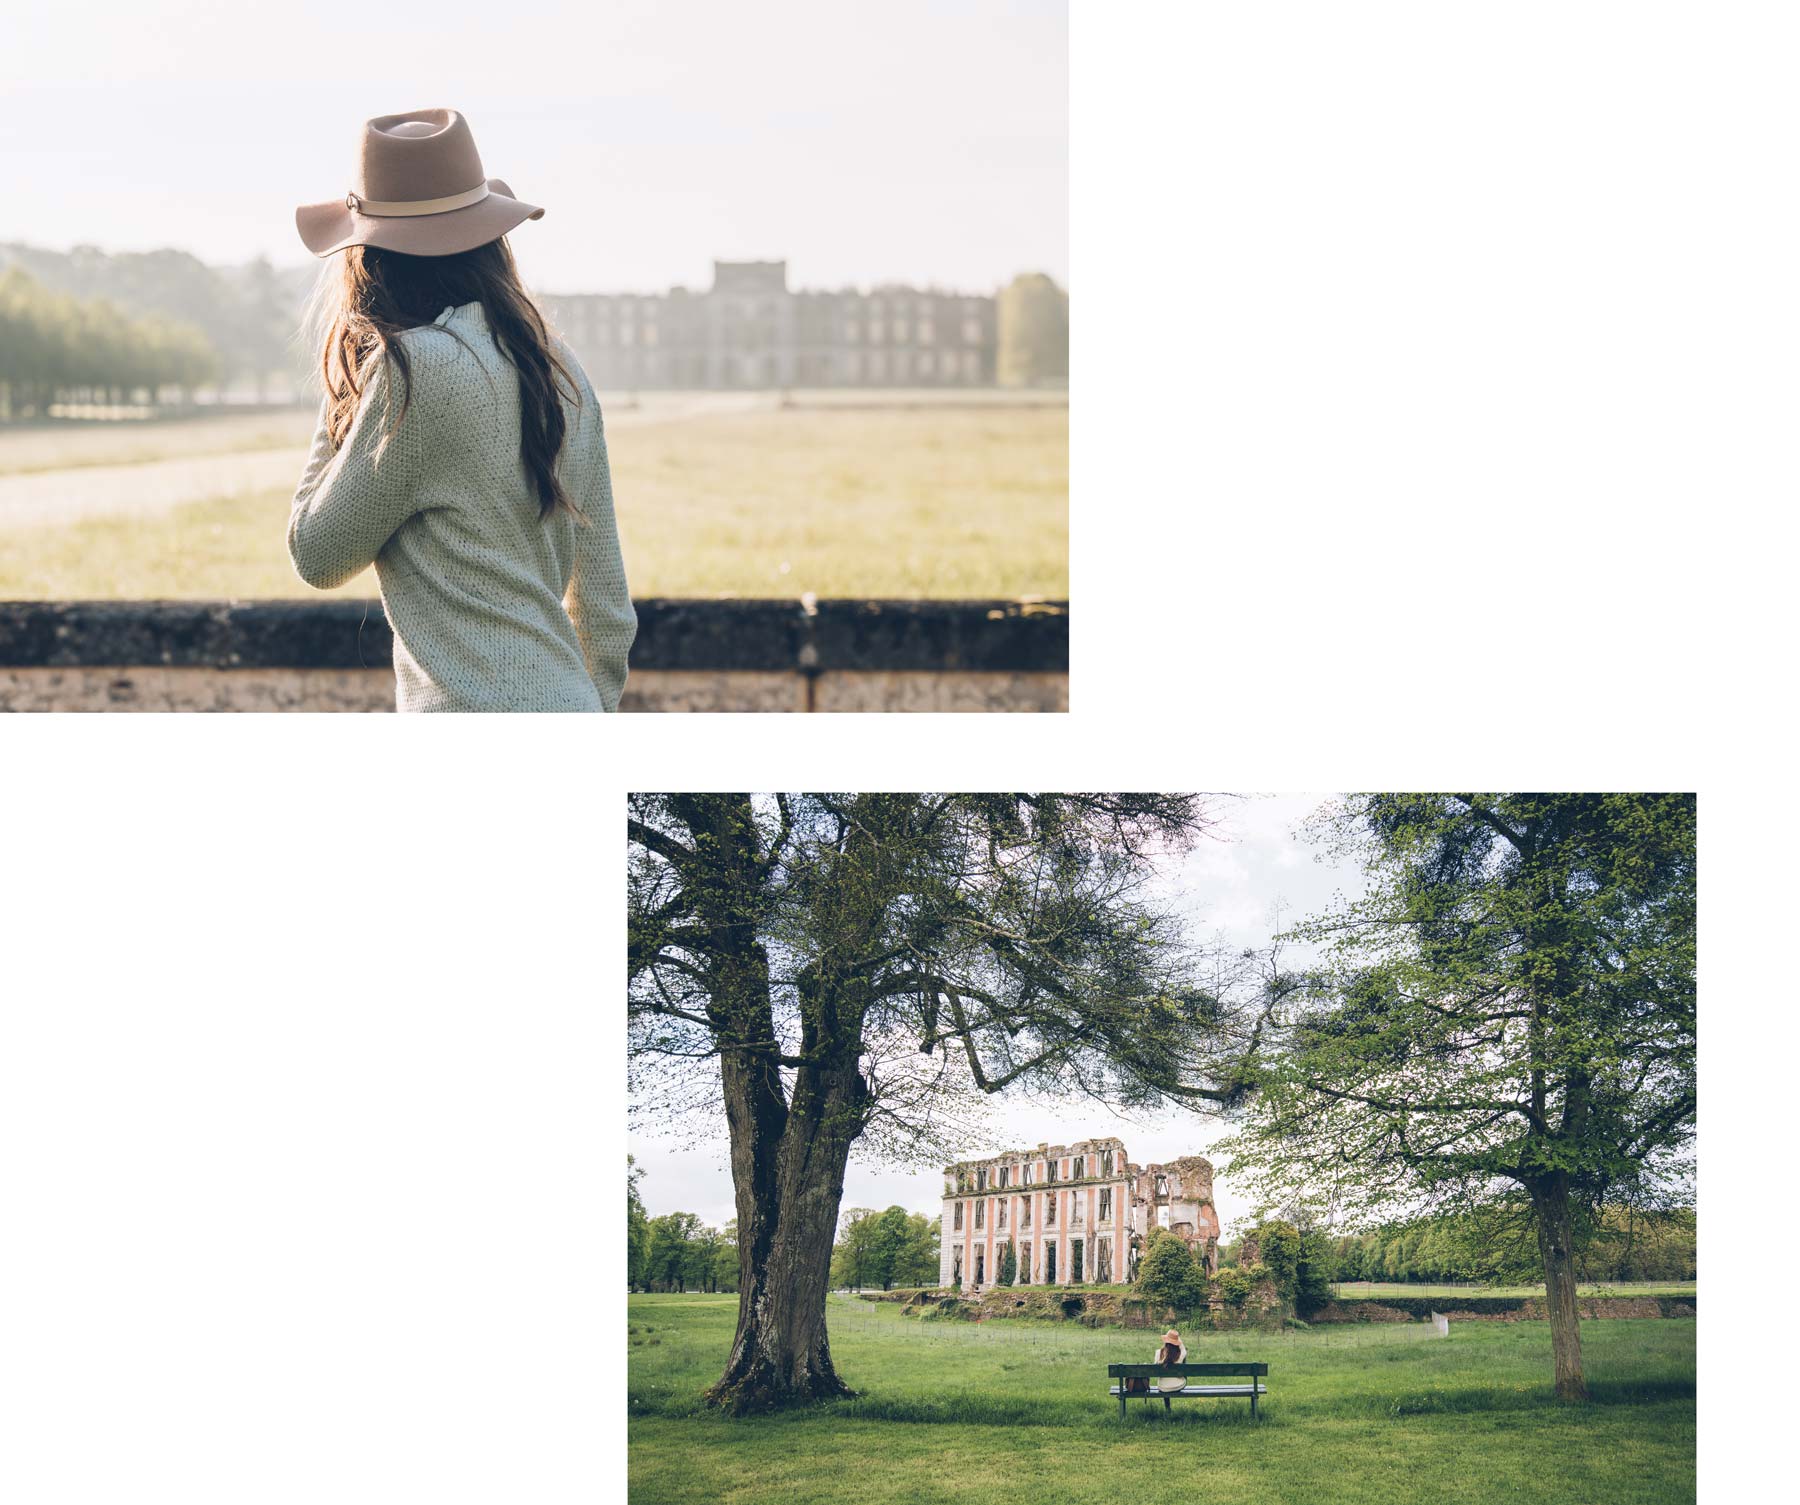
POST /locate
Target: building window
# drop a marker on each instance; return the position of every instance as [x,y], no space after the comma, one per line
[927,332]
[899,331]
[1050,1168]
[1075,1260]
[1024,1264]
[1025,1213]
[1003,1178]
[1050,1212]
[874,331]
[1003,1212]
[1106,1163]
[1106,1204]
[1049,1264]
[980,1209]
[971,331]
[852,332]
[981,1179]
[957,1224]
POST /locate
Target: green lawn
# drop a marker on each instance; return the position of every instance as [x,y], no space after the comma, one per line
[957,500]
[1350,1289]
[989,1412]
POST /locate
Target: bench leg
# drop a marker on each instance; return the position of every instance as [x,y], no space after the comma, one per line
[1121,1400]
[1253,1403]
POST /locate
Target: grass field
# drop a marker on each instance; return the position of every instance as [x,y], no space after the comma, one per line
[1350,1289]
[987,1412]
[948,499]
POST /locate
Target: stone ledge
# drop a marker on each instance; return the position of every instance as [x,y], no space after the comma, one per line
[1015,638]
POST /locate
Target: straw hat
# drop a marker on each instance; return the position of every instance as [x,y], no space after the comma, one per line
[418,187]
[1171,1336]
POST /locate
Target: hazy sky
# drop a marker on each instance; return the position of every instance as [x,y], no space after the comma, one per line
[873,141]
[1230,887]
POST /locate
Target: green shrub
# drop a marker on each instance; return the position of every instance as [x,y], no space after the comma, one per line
[1169,1273]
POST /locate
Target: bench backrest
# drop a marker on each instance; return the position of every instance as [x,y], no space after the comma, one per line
[1156,1371]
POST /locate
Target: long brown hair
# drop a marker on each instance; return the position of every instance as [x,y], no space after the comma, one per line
[380,294]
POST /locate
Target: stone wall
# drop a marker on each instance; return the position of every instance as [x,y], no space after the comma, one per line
[690,656]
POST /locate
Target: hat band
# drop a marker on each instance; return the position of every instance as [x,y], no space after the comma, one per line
[407,208]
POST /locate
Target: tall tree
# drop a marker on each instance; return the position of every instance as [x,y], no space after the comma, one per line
[637,1226]
[1509,1008]
[670,1262]
[852,1263]
[846,970]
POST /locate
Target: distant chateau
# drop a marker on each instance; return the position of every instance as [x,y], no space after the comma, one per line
[1076,1214]
[749,330]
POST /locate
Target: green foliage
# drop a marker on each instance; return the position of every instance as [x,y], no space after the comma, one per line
[884,1249]
[1236,1283]
[52,344]
[1506,1016]
[1302,1265]
[1034,332]
[686,1255]
[242,318]
[1009,1264]
[1497,1244]
[1168,1272]
[637,1228]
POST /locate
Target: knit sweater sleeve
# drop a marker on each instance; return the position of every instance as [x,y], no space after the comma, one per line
[351,499]
[597,600]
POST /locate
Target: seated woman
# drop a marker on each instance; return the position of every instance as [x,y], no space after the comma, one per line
[1170,1351]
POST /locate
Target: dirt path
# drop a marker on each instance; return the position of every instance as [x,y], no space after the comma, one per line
[64,496]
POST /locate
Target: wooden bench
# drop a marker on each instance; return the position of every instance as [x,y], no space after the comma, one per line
[1155,1372]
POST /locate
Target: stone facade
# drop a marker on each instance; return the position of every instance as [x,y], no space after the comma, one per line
[749,330]
[1076,1214]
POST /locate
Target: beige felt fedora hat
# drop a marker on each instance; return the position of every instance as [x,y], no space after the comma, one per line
[418,187]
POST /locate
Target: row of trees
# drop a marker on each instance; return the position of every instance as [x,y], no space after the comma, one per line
[57,348]
[676,1251]
[246,315]
[1500,1245]
[886,1249]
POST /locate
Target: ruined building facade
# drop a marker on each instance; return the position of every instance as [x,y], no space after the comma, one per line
[749,330]
[1075,1213]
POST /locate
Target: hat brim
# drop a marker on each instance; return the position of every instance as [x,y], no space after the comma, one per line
[329,228]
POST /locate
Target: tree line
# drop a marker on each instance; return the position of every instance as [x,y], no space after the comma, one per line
[1499,1246]
[676,1251]
[245,317]
[58,348]
[886,1249]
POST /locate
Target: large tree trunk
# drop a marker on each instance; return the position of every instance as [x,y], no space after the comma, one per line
[1556,1242]
[781,1355]
[787,1154]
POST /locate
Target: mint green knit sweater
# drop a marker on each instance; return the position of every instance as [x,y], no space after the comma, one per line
[494,607]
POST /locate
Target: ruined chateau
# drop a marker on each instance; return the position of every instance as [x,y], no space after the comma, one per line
[1075,1214]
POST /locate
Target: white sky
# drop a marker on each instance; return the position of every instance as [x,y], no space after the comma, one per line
[1231,888]
[877,141]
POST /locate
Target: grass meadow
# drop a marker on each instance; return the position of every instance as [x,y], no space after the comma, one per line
[1352,1289]
[993,1411]
[734,497]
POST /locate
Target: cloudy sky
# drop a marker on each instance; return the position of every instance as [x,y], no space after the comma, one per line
[1231,887]
[923,141]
